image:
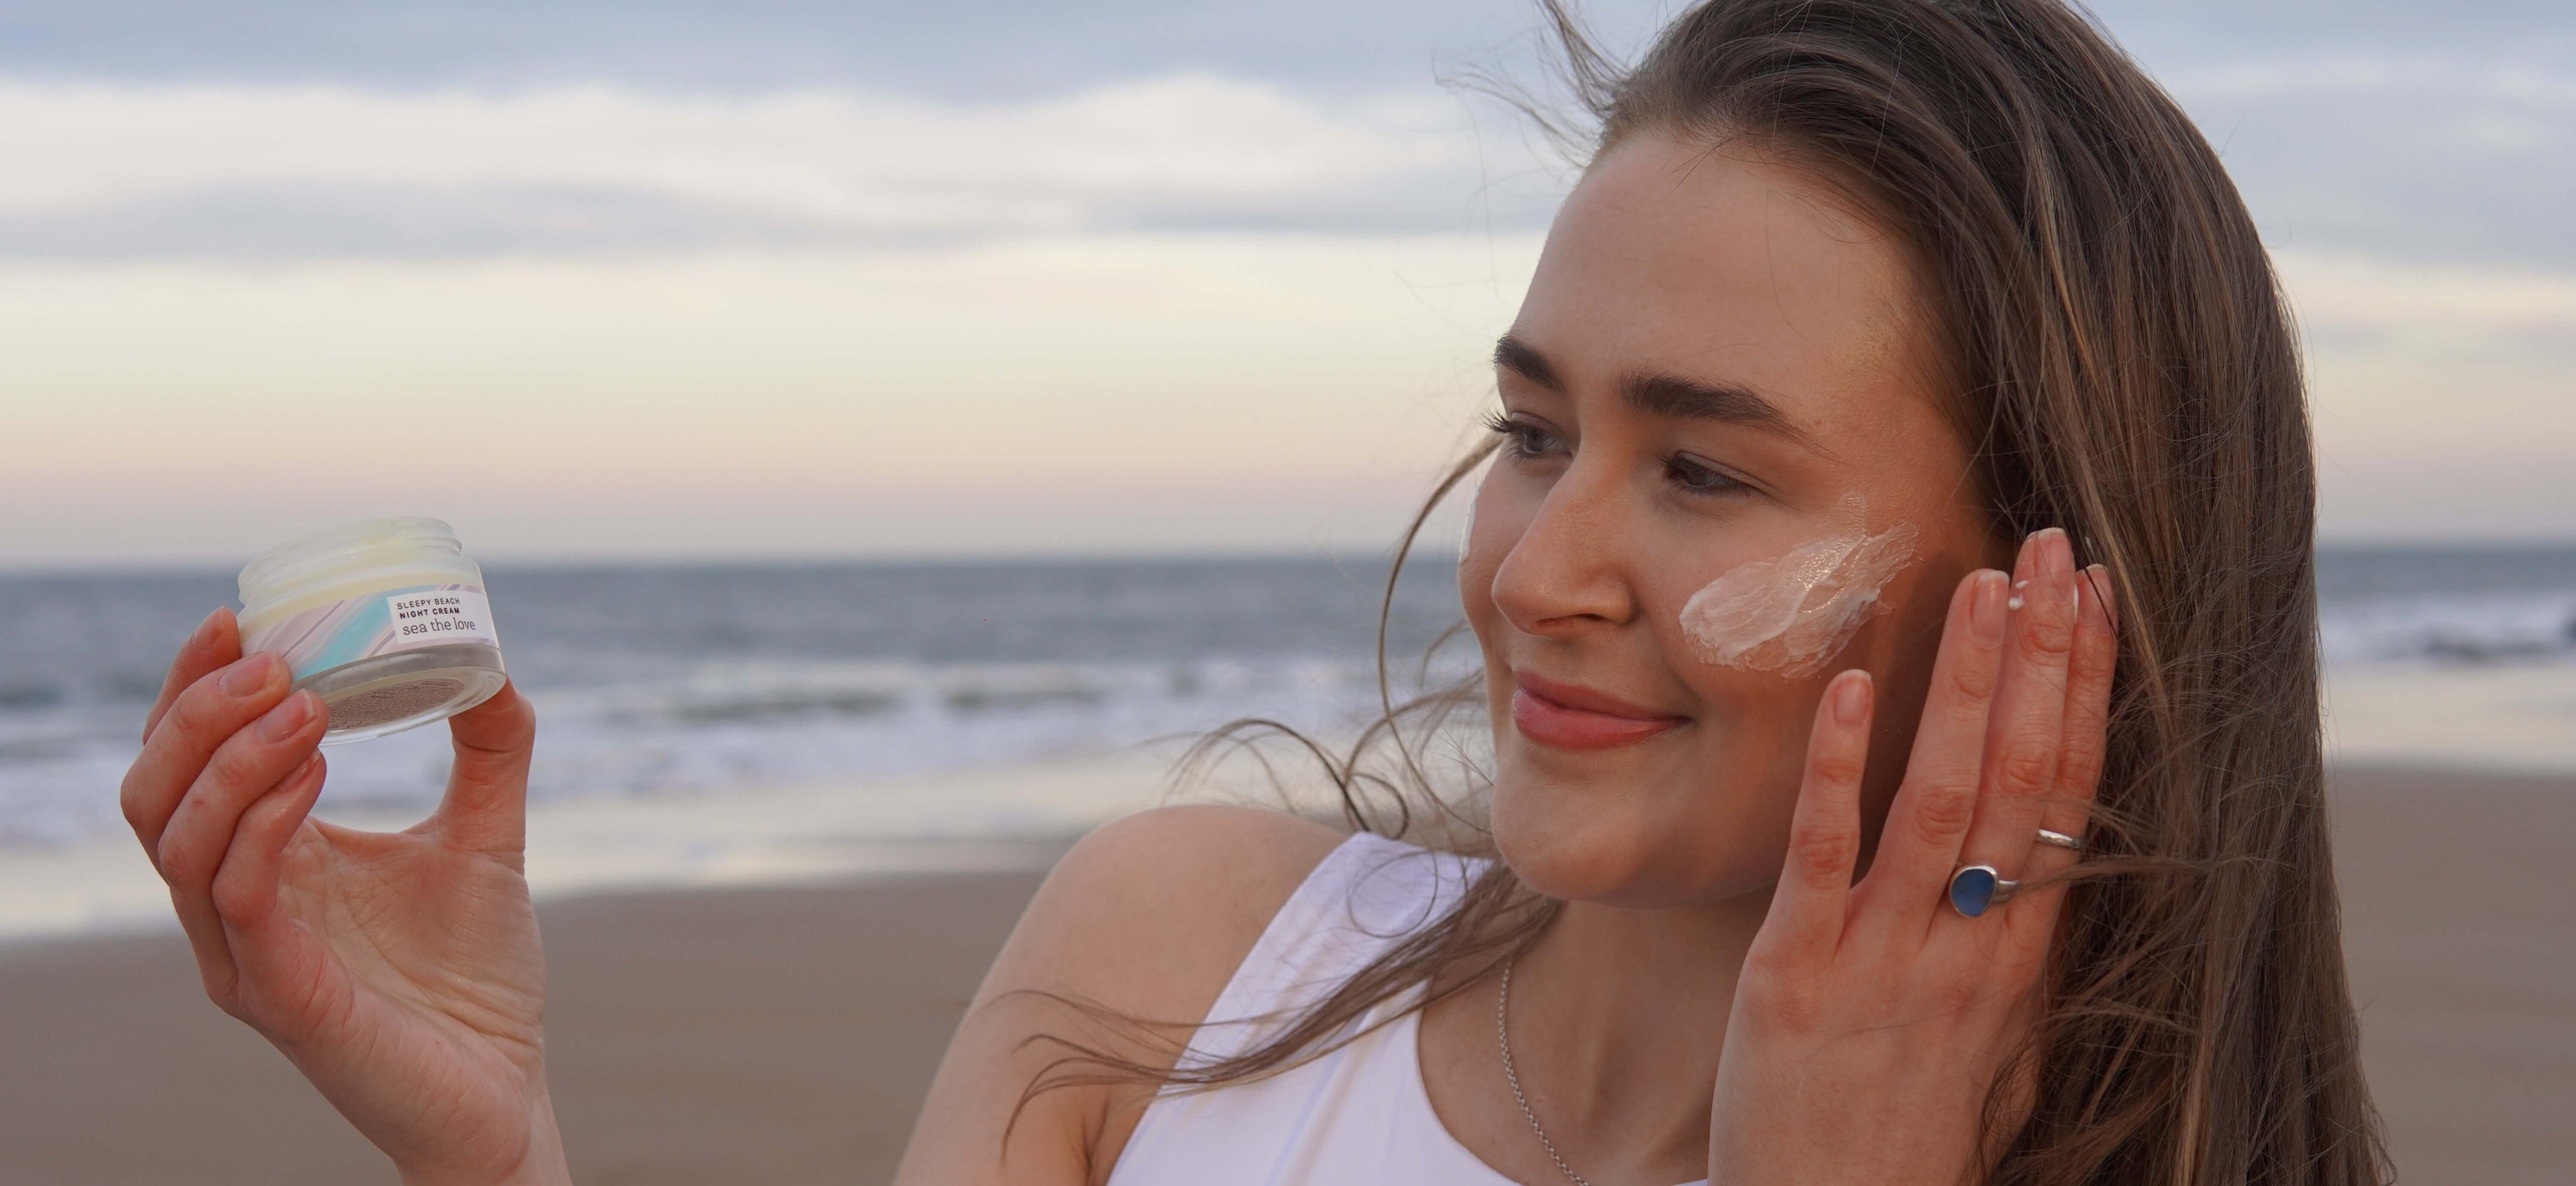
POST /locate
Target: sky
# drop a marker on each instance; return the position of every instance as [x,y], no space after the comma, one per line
[783,278]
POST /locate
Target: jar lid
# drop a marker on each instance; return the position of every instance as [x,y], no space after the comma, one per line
[299,558]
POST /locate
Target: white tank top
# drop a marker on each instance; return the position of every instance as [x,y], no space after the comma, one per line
[1357,1116]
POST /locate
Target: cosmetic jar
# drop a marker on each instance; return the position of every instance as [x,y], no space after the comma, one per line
[384,619]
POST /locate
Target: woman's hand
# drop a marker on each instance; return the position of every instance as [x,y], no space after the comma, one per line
[1871,1018]
[399,971]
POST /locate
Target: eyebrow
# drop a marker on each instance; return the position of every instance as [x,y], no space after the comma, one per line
[1658,394]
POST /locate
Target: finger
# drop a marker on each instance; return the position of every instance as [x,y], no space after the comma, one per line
[211,709]
[284,969]
[2079,773]
[2098,588]
[486,806]
[1814,894]
[1933,806]
[247,765]
[218,965]
[215,642]
[215,966]
[2026,734]
[245,887]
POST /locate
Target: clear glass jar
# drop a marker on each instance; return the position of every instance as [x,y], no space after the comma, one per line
[385,619]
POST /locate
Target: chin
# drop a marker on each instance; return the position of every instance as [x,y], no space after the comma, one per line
[1615,840]
[1569,867]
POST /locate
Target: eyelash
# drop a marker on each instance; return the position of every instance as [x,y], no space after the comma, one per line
[1516,446]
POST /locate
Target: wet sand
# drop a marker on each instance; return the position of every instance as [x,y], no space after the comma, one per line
[784,1035]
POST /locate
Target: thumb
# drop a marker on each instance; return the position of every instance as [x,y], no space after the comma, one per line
[486,807]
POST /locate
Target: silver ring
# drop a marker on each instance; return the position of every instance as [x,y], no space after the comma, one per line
[1976,888]
[2061,840]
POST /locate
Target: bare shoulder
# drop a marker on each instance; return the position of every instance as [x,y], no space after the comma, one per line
[1153,912]
[1148,915]
[1196,881]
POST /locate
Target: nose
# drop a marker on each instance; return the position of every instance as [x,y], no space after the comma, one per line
[1563,575]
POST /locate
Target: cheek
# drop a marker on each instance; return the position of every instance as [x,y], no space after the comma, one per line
[1899,650]
[1752,743]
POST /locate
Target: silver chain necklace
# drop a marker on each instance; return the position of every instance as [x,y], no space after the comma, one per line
[1503,1039]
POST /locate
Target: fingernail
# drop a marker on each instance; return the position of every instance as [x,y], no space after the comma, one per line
[2058,561]
[250,674]
[1851,698]
[1986,615]
[205,631]
[281,722]
[2098,578]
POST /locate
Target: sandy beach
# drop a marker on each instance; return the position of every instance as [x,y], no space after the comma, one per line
[784,1034]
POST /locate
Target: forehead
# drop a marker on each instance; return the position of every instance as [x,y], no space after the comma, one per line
[1725,266]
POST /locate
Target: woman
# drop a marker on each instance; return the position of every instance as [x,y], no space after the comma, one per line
[1892,572]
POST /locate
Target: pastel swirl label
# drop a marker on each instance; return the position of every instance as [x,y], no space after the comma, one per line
[343,632]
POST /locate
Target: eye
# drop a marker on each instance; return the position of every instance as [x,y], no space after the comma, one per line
[1521,440]
[1700,479]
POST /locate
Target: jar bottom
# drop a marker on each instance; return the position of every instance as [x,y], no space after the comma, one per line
[389,693]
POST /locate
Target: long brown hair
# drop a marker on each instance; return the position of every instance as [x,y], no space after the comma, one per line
[2125,367]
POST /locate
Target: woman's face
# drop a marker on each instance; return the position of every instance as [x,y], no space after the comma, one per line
[1716,363]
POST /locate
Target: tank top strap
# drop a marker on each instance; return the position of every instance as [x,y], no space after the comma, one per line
[1368,894]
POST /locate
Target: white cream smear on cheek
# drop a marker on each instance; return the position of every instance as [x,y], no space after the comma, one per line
[1792,614]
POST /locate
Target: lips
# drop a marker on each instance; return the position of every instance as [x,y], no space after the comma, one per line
[1573,717]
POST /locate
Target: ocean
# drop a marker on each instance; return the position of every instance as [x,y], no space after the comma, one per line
[699,679]
[706,683]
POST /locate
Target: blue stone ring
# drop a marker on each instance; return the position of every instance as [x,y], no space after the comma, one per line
[1975,887]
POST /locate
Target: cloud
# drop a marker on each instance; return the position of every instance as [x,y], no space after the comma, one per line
[995,50]
[2439,394]
[342,220]
[2431,157]
[122,171]
[2426,155]
[2361,290]
[609,269]
[1081,390]
[1021,48]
